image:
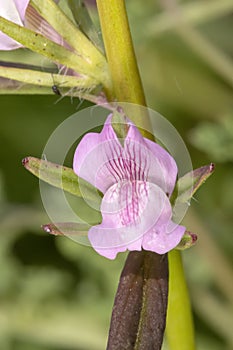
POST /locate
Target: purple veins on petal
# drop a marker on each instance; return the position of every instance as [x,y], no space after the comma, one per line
[137,178]
[37,23]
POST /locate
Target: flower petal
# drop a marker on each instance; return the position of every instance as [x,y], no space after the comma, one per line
[37,23]
[15,12]
[95,156]
[163,238]
[136,180]
[21,6]
[129,210]
[166,165]
[139,159]
[162,168]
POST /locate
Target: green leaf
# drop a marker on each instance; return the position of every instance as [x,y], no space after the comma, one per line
[62,177]
[67,228]
[187,185]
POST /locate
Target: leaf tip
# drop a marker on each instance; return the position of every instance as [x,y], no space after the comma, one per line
[187,241]
[193,237]
[212,167]
[48,228]
[25,161]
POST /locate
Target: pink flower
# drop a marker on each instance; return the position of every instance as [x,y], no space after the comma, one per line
[13,10]
[137,178]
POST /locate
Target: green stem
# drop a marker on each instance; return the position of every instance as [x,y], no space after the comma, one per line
[179,330]
[120,53]
[126,81]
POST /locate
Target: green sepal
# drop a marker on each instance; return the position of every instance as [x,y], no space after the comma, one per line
[52,13]
[187,241]
[62,177]
[56,53]
[187,185]
[67,228]
[84,22]
[29,76]
[13,87]
[120,125]
[30,81]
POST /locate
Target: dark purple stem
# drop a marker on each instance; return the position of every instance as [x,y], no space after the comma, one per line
[139,312]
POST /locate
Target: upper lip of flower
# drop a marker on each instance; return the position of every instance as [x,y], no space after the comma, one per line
[138,159]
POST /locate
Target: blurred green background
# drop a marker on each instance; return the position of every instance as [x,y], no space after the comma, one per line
[56,294]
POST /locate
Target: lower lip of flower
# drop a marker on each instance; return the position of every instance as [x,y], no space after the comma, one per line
[127,200]
[133,206]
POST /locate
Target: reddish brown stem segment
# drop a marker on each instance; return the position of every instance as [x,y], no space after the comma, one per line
[139,312]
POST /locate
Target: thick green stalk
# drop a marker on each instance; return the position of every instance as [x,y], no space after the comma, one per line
[120,53]
[126,81]
[179,328]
